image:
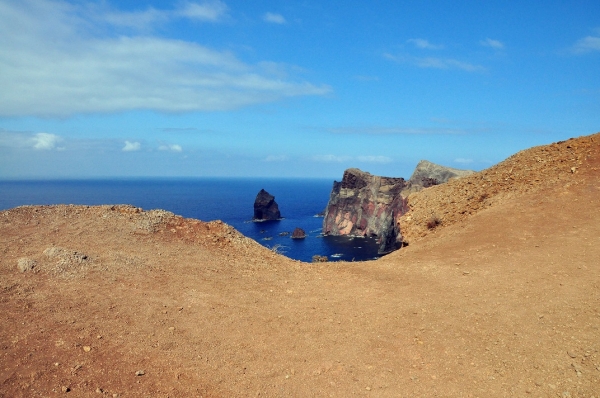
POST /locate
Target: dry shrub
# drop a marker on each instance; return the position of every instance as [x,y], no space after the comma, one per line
[433,222]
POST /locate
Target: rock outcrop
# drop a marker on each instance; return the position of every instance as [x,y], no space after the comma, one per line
[366,205]
[428,174]
[265,207]
[298,233]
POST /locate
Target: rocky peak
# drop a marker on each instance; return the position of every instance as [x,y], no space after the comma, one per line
[427,174]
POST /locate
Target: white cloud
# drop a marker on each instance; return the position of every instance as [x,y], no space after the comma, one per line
[37,141]
[212,11]
[587,44]
[274,18]
[131,146]
[435,62]
[45,141]
[276,158]
[207,11]
[374,159]
[171,148]
[425,44]
[495,44]
[54,66]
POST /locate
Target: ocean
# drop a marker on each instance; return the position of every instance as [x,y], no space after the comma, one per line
[227,199]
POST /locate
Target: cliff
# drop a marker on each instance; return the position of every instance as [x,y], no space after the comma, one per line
[366,205]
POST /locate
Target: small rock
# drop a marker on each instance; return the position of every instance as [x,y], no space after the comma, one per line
[99,390]
[572,354]
[298,234]
[87,348]
[65,389]
[26,264]
[140,373]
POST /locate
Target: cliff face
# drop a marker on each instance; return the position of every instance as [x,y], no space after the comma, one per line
[366,205]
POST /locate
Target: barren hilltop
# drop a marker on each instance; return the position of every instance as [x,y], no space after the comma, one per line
[497,295]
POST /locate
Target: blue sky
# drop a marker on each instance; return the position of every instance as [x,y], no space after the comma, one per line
[289,88]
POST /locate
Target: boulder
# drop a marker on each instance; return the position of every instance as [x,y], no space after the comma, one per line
[298,234]
[265,207]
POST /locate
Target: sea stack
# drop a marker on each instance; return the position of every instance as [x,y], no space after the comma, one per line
[265,207]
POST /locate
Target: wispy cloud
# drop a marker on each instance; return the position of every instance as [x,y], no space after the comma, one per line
[425,44]
[435,62]
[210,11]
[274,18]
[131,146]
[374,159]
[169,147]
[331,158]
[58,64]
[344,159]
[495,44]
[378,130]
[207,11]
[586,45]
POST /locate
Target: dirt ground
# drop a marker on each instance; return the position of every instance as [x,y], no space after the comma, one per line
[501,299]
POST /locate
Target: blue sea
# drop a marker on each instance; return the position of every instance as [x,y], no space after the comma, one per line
[227,199]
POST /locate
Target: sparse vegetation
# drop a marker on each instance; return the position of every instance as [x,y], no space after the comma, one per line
[433,222]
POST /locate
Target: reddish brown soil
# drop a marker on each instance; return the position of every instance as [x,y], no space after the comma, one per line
[501,302]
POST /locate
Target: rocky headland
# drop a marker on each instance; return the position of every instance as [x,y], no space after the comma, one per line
[363,204]
[265,207]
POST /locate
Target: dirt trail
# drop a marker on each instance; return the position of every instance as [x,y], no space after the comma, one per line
[504,302]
